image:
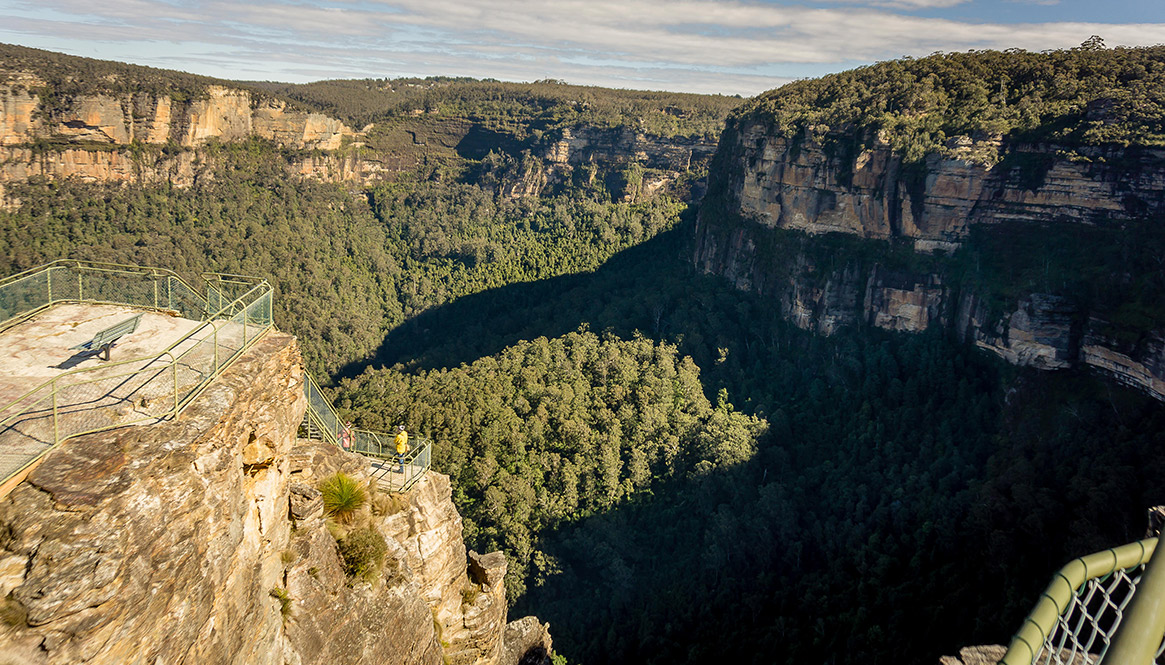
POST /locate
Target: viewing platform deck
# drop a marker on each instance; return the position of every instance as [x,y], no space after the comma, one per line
[124,388]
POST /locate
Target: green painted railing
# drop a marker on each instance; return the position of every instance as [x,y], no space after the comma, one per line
[236,312]
[1104,607]
[397,473]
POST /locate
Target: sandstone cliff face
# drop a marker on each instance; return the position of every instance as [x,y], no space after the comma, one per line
[796,184]
[168,543]
[224,114]
[767,181]
[668,158]
[92,137]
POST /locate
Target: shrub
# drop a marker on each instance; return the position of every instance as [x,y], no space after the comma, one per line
[343,496]
[363,553]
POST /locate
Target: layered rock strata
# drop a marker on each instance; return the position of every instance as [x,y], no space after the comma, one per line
[765,181]
[203,539]
[796,183]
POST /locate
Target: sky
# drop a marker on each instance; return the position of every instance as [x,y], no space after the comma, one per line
[711,46]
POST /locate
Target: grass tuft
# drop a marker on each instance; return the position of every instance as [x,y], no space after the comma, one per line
[343,497]
[284,599]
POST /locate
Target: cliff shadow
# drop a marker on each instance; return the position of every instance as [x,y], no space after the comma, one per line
[635,291]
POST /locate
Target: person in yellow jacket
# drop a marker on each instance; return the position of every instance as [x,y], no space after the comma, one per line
[402,446]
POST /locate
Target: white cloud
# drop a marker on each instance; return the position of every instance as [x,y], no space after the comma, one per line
[697,45]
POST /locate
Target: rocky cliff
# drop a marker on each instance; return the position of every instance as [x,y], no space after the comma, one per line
[102,135]
[775,196]
[203,540]
[658,161]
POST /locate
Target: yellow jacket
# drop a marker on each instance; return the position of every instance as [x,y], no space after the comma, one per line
[402,442]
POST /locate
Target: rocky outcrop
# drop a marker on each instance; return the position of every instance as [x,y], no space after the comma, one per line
[766,184]
[558,158]
[203,539]
[862,188]
[989,655]
[1044,331]
[222,114]
[527,642]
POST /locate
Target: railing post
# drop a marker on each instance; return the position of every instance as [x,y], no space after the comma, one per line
[56,420]
[1140,632]
[174,371]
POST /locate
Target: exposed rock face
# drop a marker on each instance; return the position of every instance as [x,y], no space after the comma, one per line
[1043,333]
[795,184]
[989,655]
[527,642]
[127,531]
[224,114]
[612,147]
[175,543]
[765,181]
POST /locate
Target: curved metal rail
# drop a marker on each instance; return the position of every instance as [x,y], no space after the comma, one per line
[1080,614]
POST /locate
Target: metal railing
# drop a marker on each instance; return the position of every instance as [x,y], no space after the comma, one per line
[115,394]
[1099,606]
[398,473]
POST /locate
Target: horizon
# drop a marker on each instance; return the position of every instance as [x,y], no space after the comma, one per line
[728,47]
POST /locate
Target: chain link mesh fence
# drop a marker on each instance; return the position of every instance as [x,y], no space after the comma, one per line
[393,472]
[1081,611]
[132,391]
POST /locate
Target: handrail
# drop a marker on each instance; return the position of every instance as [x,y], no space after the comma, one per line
[321,418]
[1058,598]
[218,313]
[186,373]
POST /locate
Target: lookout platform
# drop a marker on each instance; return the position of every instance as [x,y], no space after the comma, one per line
[38,350]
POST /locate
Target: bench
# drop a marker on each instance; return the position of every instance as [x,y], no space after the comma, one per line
[104,340]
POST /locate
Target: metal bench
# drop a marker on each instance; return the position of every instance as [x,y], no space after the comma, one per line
[104,340]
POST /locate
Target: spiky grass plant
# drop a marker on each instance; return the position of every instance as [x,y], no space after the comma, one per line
[343,497]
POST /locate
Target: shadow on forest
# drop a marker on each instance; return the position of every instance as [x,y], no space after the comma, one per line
[634,290]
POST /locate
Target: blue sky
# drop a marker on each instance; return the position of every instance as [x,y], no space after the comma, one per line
[717,46]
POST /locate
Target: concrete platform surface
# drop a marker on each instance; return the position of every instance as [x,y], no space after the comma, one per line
[92,393]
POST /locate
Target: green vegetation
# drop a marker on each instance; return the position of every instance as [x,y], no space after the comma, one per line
[346,269]
[557,430]
[517,109]
[675,473]
[1088,96]
[363,553]
[285,601]
[343,497]
[67,76]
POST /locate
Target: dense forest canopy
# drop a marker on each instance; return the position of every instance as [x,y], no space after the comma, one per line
[540,106]
[346,270]
[1086,96]
[675,473]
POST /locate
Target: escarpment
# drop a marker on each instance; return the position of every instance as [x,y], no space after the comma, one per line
[203,539]
[864,188]
[1038,251]
[136,127]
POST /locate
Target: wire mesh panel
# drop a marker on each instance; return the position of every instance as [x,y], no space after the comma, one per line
[320,410]
[394,472]
[24,294]
[131,391]
[1081,611]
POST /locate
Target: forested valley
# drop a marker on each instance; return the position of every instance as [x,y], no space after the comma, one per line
[675,473]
